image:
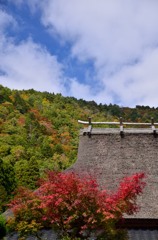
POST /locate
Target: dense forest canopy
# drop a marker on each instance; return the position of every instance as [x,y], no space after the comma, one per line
[39,131]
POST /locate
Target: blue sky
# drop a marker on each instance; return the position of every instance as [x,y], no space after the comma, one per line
[101,50]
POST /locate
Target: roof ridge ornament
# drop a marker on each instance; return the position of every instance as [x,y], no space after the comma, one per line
[121,124]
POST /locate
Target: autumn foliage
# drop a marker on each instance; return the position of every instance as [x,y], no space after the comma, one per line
[39,132]
[74,206]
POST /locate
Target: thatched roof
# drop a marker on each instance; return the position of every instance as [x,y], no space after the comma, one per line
[109,157]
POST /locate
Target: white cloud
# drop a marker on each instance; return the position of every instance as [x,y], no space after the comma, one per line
[27,65]
[79,90]
[138,83]
[116,35]
[111,32]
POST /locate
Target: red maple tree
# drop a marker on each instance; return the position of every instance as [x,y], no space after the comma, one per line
[75,206]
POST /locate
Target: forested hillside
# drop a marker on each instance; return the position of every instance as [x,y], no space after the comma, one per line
[39,131]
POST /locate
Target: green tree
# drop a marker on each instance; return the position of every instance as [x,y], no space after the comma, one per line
[21,169]
[4,94]
[9,177]
[27,172]
[46,149]
[7,182]
[20,103]
[33,173]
